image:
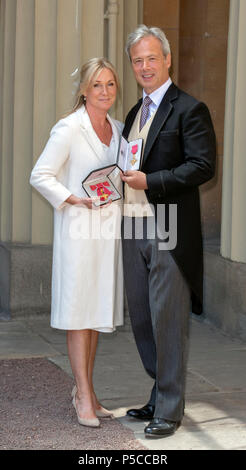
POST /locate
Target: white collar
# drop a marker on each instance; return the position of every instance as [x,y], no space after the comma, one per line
[157,95]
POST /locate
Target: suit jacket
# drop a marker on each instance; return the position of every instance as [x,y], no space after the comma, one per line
[180,155]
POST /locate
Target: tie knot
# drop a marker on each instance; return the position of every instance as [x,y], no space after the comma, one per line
[147,101]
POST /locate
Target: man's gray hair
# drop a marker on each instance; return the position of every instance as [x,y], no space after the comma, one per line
[141,32]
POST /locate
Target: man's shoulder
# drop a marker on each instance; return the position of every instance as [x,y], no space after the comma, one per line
[135,108]
[187,102]
[131,116]
[173,93]
[185,98]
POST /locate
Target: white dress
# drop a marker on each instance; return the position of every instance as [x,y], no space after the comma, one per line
[87,273]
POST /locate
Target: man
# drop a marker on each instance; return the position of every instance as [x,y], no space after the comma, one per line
[163,285]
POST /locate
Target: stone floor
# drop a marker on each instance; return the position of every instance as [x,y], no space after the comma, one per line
[215,415]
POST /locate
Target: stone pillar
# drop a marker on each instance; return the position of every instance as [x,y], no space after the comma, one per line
[68,53]
[133,15]
[44,108]
[233,234]
[23,121]
[120,59]
[92,29]
[7,57]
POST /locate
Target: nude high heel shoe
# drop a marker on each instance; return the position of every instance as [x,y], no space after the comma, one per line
[93,423]
[101,413]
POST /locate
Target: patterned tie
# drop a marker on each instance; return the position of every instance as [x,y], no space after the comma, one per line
[145,111]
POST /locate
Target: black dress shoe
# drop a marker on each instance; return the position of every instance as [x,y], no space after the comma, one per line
[161,427]
[146,412]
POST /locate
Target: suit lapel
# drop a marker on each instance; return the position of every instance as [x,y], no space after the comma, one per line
[90,135]
[160,118]
[115,130]
[130,119]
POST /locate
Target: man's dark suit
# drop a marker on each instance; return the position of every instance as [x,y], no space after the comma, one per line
[179,156]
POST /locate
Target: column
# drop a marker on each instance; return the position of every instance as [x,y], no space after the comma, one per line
[123,17]
[44,108]
[8,21]
[112,16]
[68,53]
[93,29]
[120,59]
[23,121]
[133,17]
[233,234]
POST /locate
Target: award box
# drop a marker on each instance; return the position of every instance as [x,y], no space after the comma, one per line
[99,184]
[129,154]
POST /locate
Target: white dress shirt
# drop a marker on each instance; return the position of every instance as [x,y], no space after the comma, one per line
[157,97]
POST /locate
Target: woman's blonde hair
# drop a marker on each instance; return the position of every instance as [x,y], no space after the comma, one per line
[89,71]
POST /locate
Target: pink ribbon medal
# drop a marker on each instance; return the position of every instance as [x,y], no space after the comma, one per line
[134,150]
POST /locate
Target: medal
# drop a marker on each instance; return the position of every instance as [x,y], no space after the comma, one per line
[102,191]
[134,150]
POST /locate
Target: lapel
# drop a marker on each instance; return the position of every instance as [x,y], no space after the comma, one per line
[116,131]
[90,135]
[160,118]
[130,118]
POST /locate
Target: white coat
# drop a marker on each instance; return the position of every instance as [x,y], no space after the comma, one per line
[87,274]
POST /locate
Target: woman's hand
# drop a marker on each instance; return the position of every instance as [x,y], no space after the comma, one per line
[86,202]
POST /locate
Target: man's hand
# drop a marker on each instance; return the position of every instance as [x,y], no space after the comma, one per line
[135,179]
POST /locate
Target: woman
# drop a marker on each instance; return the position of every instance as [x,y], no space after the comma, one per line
[87,279]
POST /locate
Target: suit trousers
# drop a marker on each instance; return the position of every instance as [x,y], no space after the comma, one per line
[159,301]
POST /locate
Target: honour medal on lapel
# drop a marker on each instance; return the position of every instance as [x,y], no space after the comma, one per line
[134,150]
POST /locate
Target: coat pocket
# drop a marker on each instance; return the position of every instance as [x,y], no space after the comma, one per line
[173,132]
